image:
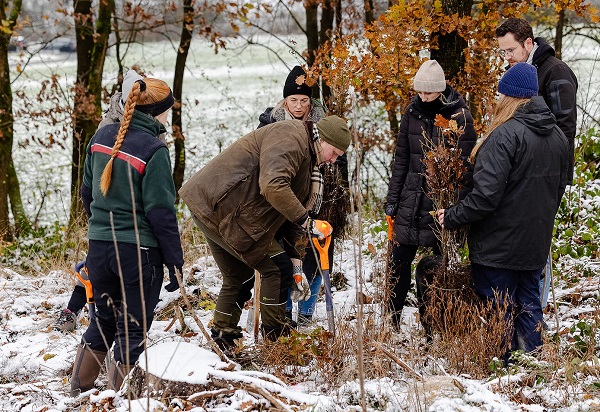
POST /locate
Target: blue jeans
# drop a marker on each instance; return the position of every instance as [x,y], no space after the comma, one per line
[310,267]
[521,287]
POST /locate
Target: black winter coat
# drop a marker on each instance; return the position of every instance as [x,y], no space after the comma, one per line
[558,87]
[519,178]
[407,190]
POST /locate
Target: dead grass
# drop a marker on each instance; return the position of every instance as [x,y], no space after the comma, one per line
[332,360]
[467,332]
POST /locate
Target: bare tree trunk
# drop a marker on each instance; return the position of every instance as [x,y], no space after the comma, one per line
[92,43]
[450,52]
[22,223]
[325,34]
[369,12]
[393,119]
[312,31]
[182,53]
[9,16]
[558,40]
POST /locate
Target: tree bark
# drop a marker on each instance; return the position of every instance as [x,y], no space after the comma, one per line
[6,115]
[558,40]
[325,34]
[182,53]
[22,224]
[312,31]
[451,46]
[92,42]
[394,125]
[369,12]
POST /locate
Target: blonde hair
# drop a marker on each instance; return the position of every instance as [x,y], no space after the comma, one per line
[156,91]
[504,110]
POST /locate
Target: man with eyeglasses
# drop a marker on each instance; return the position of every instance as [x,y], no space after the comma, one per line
[557,82]
[557,85]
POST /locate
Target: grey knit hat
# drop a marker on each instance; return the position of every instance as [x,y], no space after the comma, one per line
[430,78]
[334,130]
[130,78]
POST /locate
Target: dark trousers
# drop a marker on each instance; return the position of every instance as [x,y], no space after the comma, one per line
[400,267]
[400,276]
[276,275]
[425,272]
[120,304]
[521,288]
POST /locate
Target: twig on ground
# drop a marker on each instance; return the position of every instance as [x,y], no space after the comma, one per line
[398,361]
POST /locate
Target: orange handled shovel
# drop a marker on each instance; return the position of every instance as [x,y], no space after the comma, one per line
[324,259]
[390,223]
[89,293]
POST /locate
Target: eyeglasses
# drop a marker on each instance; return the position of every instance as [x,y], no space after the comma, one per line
[508,52]
[296,102]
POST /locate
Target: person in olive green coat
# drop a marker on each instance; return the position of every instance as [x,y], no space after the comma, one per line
[243,196]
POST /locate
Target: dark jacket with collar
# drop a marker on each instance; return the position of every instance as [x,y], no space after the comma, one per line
[407,191]
[145,160]
[558,87]
[519,178]
[253,187]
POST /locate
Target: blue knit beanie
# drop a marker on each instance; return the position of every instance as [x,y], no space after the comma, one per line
[519,81]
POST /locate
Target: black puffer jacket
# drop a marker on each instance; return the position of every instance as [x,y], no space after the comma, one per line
[407,190]
[520,176]
[558,87]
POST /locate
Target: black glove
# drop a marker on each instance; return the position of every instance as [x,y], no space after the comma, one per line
[391,209]
[173,284]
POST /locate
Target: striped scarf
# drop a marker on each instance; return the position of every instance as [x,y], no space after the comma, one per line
[316,178]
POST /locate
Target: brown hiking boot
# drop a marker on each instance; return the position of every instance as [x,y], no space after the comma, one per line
[116,375]
[85,369]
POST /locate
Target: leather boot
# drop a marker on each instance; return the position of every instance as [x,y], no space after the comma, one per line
[86,369]
[116,375]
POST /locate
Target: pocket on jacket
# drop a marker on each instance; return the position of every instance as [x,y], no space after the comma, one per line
[240,229]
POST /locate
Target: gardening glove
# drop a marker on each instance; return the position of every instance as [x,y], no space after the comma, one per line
[173,284]
[318,228]
[82,271]
[301,288]
[79,265]
[391,209]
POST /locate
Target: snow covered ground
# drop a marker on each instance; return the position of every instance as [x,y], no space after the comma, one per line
[35,360]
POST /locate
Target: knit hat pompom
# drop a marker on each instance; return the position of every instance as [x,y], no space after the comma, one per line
[334,130]
[296,83]
[430,78]
[519,81]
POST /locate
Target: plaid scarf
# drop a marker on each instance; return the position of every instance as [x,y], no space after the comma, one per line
[316,178]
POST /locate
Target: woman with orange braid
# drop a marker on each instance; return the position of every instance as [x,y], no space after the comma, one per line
[129,196]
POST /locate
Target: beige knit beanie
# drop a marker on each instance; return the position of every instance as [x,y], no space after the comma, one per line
[430,78]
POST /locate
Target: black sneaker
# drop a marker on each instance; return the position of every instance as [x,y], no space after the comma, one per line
[272,334]
[66,321]
[225,341]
